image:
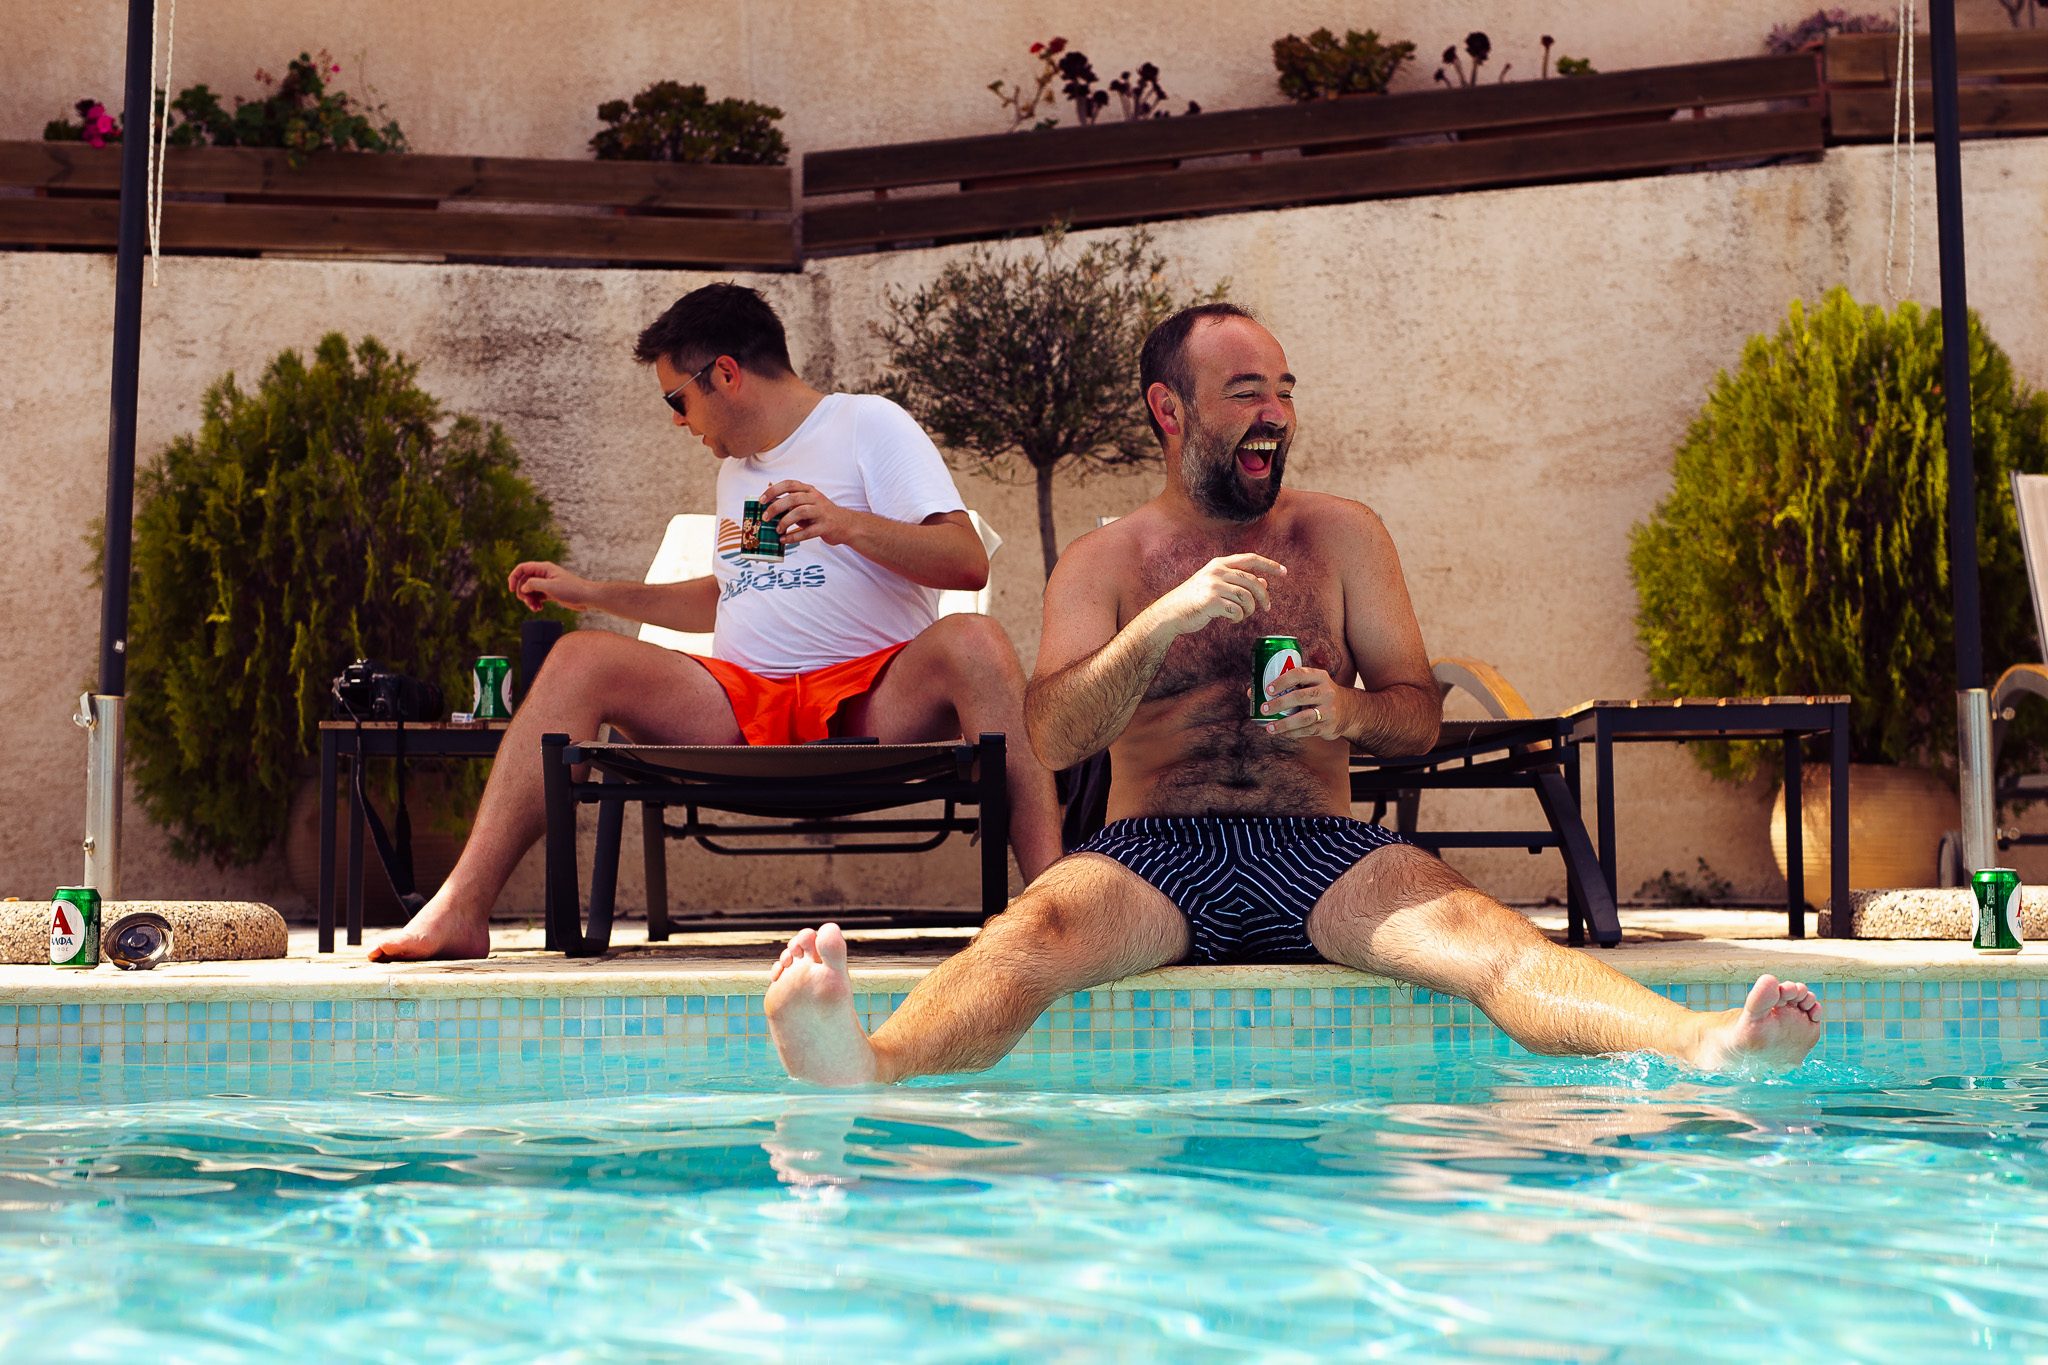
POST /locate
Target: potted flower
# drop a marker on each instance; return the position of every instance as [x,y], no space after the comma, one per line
[1803,550]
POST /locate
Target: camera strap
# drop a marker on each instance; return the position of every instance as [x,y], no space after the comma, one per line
[397,860]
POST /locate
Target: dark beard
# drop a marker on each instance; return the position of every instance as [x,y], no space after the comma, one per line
[1214,484]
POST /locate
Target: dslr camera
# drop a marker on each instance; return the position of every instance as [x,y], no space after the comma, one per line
[366,690]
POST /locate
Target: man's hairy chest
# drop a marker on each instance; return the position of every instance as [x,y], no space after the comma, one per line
[1307,603]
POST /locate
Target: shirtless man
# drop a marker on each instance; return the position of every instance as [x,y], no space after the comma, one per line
[1230,838]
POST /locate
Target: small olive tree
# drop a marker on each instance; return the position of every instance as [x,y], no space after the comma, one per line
[1022,362]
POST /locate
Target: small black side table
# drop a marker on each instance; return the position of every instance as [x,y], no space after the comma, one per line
[1603,724]
[379,739]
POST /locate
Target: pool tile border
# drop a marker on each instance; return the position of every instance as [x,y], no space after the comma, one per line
[252,1032]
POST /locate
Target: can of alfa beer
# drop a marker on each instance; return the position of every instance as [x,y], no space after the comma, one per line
[1998,910]
[491,683]
[759,536]
[1271,656]
[75,927]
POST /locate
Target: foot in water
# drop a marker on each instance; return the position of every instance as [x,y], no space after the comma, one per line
[1776,1027]
[437,933]
[810,1012]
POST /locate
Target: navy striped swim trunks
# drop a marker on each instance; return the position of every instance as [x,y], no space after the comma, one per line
[1245,882]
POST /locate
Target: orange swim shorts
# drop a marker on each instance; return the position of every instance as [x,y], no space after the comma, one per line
[798,709]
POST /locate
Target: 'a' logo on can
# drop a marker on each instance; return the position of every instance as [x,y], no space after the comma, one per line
[1271,657]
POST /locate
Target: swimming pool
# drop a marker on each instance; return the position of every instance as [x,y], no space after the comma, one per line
[1425,1202]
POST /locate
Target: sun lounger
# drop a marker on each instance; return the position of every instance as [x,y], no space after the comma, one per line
[804,790]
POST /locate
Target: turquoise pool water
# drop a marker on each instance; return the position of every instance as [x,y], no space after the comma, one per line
[1399,1203]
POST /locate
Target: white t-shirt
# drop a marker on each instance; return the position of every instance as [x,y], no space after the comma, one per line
[826,604]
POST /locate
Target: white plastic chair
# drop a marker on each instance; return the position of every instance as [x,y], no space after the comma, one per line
[685,553]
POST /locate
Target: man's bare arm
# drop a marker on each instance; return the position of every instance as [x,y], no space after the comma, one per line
[1081,699]
[690,606]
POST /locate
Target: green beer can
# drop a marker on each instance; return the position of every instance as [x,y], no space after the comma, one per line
[1271,656]
[1998,910]
[760,538]
[491,679]
[75,928]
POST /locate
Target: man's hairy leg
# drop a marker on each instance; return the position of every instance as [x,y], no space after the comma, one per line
[1403,913]
[961,678]
[1088,920]
[654,695]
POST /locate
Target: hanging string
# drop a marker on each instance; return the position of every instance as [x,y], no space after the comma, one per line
[1902,97]
[156,136]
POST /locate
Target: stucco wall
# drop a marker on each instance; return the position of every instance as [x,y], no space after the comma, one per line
[525,80]
[1502,375]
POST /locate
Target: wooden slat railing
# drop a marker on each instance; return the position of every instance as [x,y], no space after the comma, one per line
[1505,135]
[2016,60]
[709,215]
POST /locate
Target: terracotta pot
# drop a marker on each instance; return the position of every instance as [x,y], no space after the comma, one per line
[433,851]
[1896,819]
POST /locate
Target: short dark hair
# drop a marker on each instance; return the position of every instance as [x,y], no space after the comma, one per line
[1164,357]
[719,319]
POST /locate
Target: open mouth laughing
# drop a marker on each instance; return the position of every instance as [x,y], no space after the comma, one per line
[1255,456]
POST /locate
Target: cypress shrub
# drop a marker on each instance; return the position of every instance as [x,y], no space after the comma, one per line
[330,515]
[1804,546]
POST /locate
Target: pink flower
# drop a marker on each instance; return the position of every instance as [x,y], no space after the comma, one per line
[98,125]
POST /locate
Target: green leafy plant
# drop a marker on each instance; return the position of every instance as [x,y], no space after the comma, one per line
[1319,67]
[301,116]
[95,126]
[1022,362]
[331,514]
[1803,548]
[670,121]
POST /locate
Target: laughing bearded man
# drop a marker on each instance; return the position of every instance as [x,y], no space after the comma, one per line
[1230,837]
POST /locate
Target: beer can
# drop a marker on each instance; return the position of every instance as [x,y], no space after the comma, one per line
[1998,910]
[491,681]
[75,927]
[1271,656]
[760,539]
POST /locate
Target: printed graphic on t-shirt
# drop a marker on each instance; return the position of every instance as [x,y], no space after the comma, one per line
[732,541]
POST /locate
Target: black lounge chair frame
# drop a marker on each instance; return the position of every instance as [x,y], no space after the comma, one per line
[805,789]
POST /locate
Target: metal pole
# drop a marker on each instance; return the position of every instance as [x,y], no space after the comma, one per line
[104,766]
[1973,715]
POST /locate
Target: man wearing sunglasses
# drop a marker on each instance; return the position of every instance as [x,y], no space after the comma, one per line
[840,637]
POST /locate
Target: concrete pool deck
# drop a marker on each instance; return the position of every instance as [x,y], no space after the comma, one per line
[1711,947]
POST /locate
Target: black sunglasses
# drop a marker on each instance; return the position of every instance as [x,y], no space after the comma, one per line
[674,396]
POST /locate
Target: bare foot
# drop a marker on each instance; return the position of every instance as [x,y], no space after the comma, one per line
[1777,1026]
[810,1012]
[437,932]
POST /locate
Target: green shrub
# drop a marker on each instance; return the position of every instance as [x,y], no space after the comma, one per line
[1319,67]
[670,121]
[1804,546]
[327,516]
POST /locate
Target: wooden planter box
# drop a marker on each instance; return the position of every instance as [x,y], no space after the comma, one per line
[1591,127]
[2002,91]
[352,202]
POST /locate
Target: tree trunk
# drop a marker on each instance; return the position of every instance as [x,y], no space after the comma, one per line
[1048,539]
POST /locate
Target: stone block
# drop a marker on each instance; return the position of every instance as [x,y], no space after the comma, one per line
[1945,912]
[201,931]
